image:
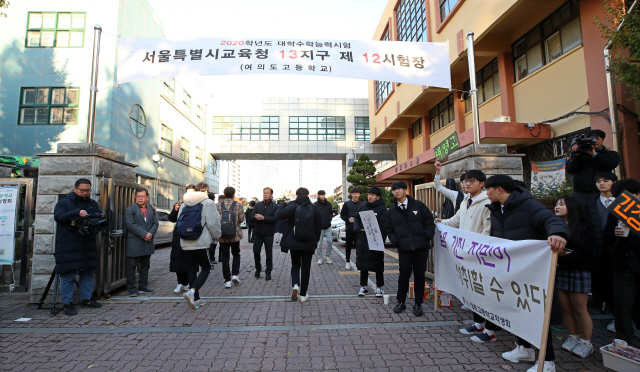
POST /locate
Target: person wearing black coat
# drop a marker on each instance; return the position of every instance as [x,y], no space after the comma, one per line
[177,259]
[348,213]
[76,252]
[264,218]
[326,214]
[251,223]
[301,250]
[410,227]
[367,259]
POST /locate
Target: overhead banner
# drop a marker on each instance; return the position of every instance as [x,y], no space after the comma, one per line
[547,174]
[8,204]
[502,280]
[422,63]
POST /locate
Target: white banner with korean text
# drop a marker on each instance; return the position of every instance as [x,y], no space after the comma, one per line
[502,280]
[422,63]
[8,205]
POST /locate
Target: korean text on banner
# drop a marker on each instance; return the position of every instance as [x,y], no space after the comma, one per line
[371,228]
[504,281]
[141,58]
[547,174]
[8,203]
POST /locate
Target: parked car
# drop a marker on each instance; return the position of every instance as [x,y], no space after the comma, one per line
[165,228]
[336,222]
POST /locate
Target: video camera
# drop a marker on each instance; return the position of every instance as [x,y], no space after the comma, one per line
[85,225]
[585,143]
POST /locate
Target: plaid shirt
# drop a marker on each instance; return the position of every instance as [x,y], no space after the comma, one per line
[239,211]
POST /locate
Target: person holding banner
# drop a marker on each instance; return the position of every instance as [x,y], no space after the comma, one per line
[452,205]
[573,278]
[368,259]
[515,215]
[410,227]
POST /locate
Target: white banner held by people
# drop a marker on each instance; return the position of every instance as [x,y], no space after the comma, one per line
[422,63]
[371,228]
[505,281]
[8,203]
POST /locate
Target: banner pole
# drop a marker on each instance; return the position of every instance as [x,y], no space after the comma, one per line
[435,289]
[547,311]
[97,32]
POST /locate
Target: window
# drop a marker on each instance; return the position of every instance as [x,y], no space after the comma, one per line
[49,106]
[200,118]
[199,156]
[446,6]
[411,18]
[166,139]
[246,128]
[383,88]
[186,100]
[169,88]
[417,128]
[442,114]
[362,128]
[138,121]
[50,29]
[556,35]
[184,150]
[316,128]
[487,82]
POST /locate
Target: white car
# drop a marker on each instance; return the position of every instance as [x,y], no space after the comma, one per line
[336,223]
[165,228]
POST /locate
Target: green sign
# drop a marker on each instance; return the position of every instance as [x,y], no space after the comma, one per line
[446,147]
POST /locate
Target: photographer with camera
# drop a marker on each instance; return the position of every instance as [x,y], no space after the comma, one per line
[77,216]
[588,158]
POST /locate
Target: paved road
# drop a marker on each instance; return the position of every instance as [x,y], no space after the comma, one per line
[252,327]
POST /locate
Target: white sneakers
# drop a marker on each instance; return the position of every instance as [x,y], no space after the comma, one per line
[363,291]
[379,292]
[235,279]
[320,261]
[570,343]
[548,367]
[348,266]
[326,258]
[520,353]
[583,349]
[227,284]
[178,288]
[294,292]
[304,298]
[189,297]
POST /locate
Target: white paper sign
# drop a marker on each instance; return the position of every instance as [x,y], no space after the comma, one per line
[371,228]
[8,203]
[504,281]
[420,63]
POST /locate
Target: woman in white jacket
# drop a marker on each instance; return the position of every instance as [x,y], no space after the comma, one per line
[197,250]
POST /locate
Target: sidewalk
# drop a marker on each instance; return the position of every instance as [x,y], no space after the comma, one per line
[252,327]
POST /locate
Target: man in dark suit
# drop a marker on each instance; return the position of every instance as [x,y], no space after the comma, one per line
[141,222]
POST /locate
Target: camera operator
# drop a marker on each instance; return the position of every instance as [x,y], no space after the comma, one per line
[588,158]
[76,249]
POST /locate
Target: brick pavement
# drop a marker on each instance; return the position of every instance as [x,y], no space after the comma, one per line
[330,333]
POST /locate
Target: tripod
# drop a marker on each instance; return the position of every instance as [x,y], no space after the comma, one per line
[55,279]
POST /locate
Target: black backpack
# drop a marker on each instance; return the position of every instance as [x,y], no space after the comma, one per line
[304,223]
[189,223]
[228,220]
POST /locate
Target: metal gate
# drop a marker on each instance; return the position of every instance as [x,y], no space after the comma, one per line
[115,197]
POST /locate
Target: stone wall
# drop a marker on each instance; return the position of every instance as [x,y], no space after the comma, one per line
[491,159]
[5,170]
[57,176]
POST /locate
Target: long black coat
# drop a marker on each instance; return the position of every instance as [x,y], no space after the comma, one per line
[74,252]
[413,229]
[287,212]
[367,259]
[177,260]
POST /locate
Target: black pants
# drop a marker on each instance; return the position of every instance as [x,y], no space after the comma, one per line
[550,355]
[235,251]
[258,240]
[351,242]
[250,236]
[183,278]
[212,253]
[198,259]
[487,324]
[416,262]
[364,278]
[301,261]
[143,273]
[626,293]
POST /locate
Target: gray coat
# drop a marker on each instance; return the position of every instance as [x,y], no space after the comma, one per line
[137,228]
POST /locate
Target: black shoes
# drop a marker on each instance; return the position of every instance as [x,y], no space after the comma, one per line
[91,303]
[400,307]
[68,309]
[257,273]
[133,293]
[267,276]
[145,290]
[417,310]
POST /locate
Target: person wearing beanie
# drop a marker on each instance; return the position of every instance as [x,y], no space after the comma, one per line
[326,213]
[366,259]
[348,213]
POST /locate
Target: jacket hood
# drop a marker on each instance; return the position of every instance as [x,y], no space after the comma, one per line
[478,199]
[376,203]
[195,197]
[517,197]
[450,183]
[303,200]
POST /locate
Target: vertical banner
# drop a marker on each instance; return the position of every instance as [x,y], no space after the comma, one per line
[547,174]
[504,281]
[8,205]
[371,228]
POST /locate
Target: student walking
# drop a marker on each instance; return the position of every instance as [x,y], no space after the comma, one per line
[326,213]
[264,217]
[301,234]
[410,227]
[367,259]
[251,223]
[198,224]
[231,216]
[348,212]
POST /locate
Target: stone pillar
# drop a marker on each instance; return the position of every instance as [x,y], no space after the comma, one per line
[491,159]
[57,175]
[6,170]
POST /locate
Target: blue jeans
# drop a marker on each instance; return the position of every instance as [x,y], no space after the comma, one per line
[66,285]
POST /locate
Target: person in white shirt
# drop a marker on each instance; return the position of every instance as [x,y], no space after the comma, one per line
[453,195]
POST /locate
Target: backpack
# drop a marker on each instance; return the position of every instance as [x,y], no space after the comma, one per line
[303,223]
[189,222]
[228,220]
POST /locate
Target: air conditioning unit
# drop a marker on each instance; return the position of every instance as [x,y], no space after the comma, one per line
[503,119]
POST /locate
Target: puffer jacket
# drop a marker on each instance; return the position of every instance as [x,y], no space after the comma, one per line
[210,220]
[476,218]
[412,229]
[287,212]
[326,213]
[367,259]
[349,210]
